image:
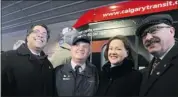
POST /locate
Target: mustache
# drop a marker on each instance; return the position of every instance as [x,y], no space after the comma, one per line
[152,41]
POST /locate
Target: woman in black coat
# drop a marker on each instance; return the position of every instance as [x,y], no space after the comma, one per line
[118,78]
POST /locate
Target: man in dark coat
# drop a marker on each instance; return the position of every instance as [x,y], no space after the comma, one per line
[157,34]
[27,71]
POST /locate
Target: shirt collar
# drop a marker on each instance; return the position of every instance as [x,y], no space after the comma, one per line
[34,52]
[82,66]
[166,52]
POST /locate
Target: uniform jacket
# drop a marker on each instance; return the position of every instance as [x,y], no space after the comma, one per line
[24,74]
[66,84]
[163,81]
[121,80]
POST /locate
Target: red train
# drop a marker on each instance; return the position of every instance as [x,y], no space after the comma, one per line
[122,18]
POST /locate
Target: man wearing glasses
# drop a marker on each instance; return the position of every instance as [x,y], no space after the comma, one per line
[26,71]
[157,35]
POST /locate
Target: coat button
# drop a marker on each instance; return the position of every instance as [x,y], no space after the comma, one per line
[165,65]
[158,73]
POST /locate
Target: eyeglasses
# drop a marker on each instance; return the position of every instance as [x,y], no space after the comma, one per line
[152,30]
[37,31]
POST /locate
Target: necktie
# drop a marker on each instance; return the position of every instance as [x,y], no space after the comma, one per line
[77,71]
[155,64]
[77,80]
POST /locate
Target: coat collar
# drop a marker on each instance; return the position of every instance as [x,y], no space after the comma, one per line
[88,71]
[23,50]
[119,70]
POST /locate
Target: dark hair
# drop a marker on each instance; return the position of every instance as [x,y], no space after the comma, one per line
[126,45]
[30,30]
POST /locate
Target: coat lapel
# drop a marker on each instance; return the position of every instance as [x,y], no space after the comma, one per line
[163,66]
[145,82]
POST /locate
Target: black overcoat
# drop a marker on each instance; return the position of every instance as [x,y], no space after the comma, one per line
[164,80]
[121,80]
[24,74]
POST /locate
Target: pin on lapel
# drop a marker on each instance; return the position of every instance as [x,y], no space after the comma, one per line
[158,73]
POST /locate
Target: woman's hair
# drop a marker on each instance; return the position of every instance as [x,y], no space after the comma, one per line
[126,46]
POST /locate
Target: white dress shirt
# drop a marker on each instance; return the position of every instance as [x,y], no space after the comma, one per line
[82,68]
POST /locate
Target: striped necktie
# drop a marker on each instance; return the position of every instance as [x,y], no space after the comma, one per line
[155,64]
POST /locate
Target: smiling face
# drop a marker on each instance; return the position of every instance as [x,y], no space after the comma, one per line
[37,39]
[159,39]
[116,51]
[80,51]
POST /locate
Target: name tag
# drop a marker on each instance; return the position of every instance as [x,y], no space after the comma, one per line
[66,77]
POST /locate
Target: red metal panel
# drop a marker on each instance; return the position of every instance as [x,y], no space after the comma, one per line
[133,8]
[85,19]
[125,9]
